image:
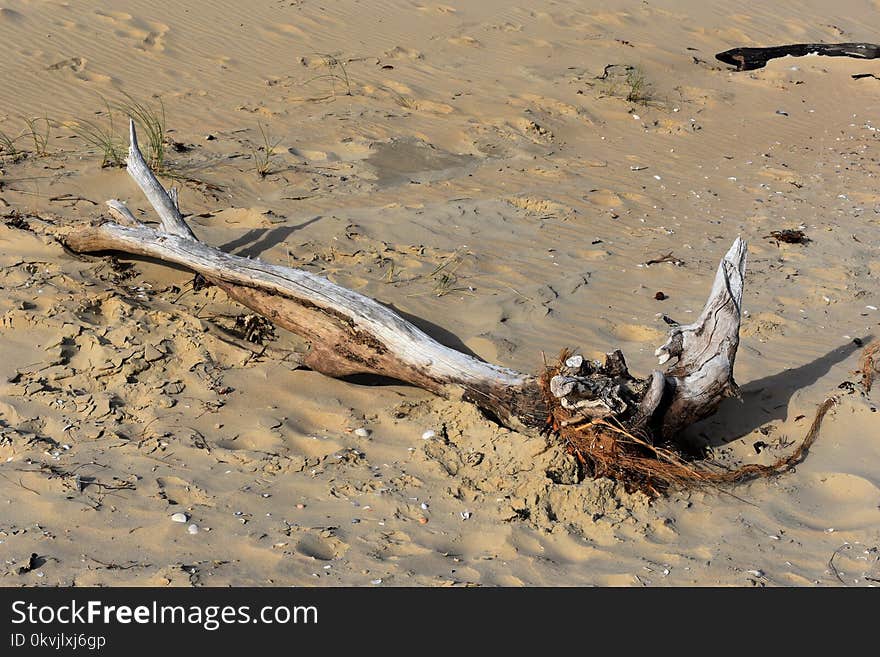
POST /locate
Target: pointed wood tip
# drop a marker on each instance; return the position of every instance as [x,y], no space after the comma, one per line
[737,253]
[132,136]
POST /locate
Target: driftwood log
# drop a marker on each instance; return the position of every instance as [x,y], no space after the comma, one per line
[749,59]
[351,334]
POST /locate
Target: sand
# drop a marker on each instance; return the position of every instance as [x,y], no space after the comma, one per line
[463,163]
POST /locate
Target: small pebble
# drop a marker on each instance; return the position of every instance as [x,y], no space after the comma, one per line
[756,573]
[179,517]
[430,433]
[660,296]
[193,529]
[375,581]
[424,506]
[423,520]
[300,506]
[465,514]
[361,432]
[574,361]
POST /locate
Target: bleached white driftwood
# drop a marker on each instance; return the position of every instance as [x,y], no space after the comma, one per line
[350,333]
[706,350]
[163,202]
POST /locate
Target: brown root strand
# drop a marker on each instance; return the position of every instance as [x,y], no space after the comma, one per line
[605,448]
[869,365]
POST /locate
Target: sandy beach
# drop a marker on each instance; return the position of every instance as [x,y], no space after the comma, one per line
[500,174]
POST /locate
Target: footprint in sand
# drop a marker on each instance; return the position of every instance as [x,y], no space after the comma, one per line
[397,86]
[540,206]
[399,52]
[113,16]
[465,40]
[604,198]
[313,156]
[76,64]
[550,106]
[323,548]
[183,493]
[437,9]
[344,151]
[285,29]
[506,27]
[149,36]
[434,107]
[10,15]
[534,131]
[78,68]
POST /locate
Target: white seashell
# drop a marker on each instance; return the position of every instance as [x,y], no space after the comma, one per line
[193,529]
[663,358]
[362,432]
[179,517]
[574,361]
[430,433]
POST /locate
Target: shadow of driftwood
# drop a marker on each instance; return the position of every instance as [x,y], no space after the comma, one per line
[258,240]
[765,400]
[440,334]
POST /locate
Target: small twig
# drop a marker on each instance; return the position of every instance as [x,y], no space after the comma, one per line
[117,566]
[678,262]
[20,484]
[831,565]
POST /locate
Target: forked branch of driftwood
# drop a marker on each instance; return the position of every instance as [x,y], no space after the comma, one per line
[350,333]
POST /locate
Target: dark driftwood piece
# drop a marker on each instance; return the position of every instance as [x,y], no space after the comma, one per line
[748,59]
[351,334]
